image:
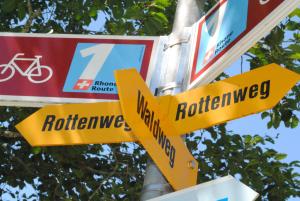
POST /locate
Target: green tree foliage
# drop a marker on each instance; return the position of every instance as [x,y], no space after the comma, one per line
[115,172]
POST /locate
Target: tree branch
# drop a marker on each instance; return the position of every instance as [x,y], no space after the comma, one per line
[10,134]
[32,14]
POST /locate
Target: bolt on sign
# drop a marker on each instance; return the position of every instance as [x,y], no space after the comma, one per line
[38,69]
[205,106]
[154,131]
[228,30]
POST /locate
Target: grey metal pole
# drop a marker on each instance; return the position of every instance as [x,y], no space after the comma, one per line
[187,13]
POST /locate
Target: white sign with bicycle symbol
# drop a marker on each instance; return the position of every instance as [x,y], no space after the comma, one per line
[36,73]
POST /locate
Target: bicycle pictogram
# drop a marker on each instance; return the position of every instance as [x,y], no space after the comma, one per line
[36,73]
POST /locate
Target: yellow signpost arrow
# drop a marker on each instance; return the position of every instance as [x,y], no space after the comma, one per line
[153,129]
[205,106]
[70,124]
[232,98]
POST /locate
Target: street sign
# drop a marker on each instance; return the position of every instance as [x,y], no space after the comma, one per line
[205,106]
[222,189]
[228,31]
[71,124]
[155,132]
[229,99]
[38,69]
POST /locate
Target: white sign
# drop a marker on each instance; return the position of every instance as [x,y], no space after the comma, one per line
[222,189]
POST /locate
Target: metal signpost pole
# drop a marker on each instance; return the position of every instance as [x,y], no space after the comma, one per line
[187,13]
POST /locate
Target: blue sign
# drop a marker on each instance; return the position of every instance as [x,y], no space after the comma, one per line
[220,29]
[92,67]
[224,199]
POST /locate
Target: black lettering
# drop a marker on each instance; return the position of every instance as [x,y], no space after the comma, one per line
[167,147]
[127,128]
[201,105]
[68,122]
[239,96]
[93,123]
[253,91]
[207,100]
[119,121]
[151,121]
[82,123]
[265,89]
[181,108]
[215,103]
[105,121]
[192,109]
[161,138]
[155,128]
[48,122]
[74,121]
[141,106]
[172,156]
[147,118]
[228,97]
[59,124]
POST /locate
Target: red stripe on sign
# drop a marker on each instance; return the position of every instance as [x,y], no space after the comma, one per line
[256,13]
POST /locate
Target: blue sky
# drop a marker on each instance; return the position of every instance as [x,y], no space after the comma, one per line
[288,141]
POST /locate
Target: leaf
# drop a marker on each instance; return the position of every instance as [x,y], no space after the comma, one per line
[21,11]
[36,150]
[280,156]
[269,125]
[257,139]
[117,12]
[269,139]
[164,3]
[161,17]
[296,12]
[295,122]
[78,16]
[9,5]
[276,120]
[264,115]
[292,25]
[247,139]
[294,47]
[134,12]
[93,12]
[295,56]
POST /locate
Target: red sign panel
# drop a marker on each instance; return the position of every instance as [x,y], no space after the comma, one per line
[229,30]
[37,68]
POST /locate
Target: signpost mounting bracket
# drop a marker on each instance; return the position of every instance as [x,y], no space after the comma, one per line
[168,86]
[175,39]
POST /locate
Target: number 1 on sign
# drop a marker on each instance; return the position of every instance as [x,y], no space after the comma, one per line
[100,53]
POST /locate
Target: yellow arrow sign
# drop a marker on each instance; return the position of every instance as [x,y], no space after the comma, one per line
[154,130]
[70,124]
[202,107]
[232,98]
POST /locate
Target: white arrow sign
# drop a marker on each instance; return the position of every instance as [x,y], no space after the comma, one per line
[222,189]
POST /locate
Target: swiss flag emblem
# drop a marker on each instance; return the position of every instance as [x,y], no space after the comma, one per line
[83,84]
[209,55]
